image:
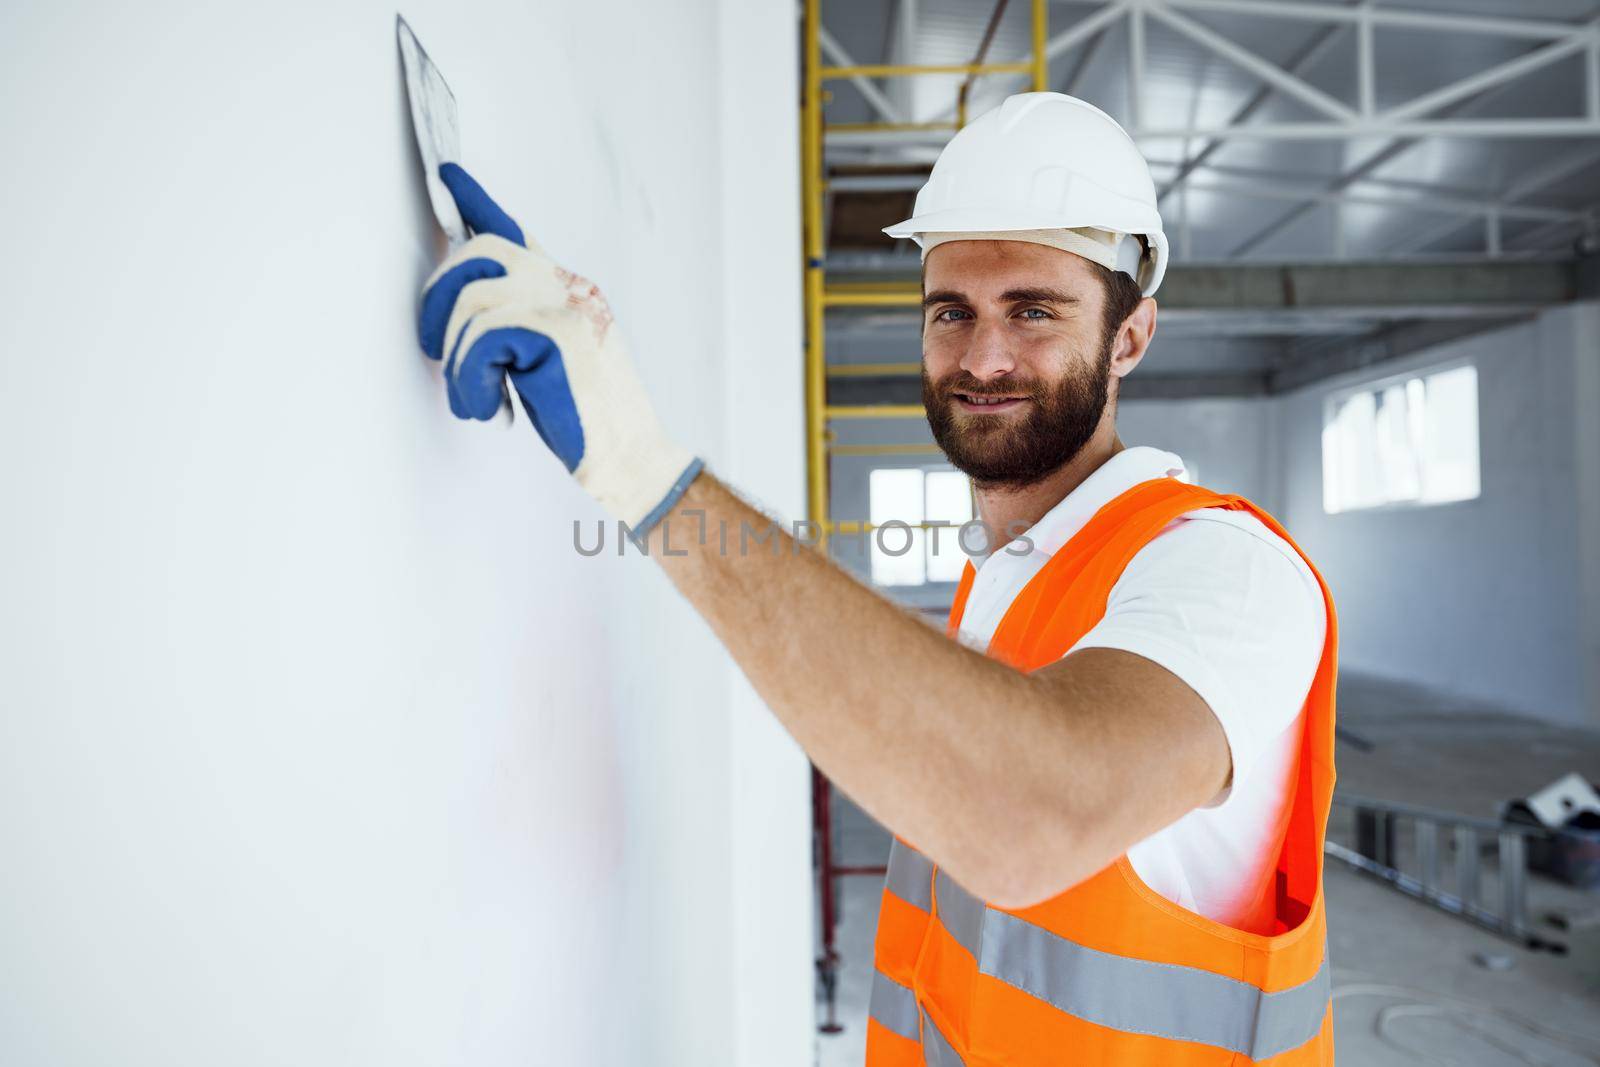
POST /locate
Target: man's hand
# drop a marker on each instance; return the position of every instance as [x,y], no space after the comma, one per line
[499,308]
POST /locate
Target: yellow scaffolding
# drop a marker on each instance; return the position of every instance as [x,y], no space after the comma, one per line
[820,295]
[900,70]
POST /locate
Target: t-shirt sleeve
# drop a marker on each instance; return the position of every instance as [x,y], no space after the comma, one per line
[1230,608]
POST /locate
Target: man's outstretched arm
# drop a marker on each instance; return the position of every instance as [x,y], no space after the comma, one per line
[1021,785]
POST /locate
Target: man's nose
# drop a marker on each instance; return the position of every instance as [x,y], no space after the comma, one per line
[988,355]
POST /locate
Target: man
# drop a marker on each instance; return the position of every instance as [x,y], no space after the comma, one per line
[1109,827]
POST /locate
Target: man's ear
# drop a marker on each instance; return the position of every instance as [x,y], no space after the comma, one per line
[1134,337]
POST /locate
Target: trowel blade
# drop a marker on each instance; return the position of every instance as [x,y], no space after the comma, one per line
[433,117]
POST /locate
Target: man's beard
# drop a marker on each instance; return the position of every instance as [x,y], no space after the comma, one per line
[1003,451]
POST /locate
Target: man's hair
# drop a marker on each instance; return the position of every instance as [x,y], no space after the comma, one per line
[1122,296]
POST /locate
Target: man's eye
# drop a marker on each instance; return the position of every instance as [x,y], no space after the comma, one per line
[943,315]
[1035,314]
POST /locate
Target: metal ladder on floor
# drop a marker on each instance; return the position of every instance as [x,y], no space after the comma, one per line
[1378,826]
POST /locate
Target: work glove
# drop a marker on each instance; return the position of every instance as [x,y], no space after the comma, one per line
[499,309]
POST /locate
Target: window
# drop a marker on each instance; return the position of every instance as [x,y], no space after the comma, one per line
[1411,440]
[906,555]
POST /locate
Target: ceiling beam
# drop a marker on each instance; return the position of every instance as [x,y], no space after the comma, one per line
[1420,201]
[1474,129]
[1450,100]
[1521,189]
[1399,18]
[1483,287]
[1274,75]
[1308,56]
[1584,235]
[1494,77]
[1386,344]
[1396,147]
[1257,171]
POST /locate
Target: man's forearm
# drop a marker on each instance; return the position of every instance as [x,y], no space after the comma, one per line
[931,738]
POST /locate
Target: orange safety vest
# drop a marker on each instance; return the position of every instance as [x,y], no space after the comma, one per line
[1109,971]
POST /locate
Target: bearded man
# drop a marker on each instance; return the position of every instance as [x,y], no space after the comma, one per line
[1109,791]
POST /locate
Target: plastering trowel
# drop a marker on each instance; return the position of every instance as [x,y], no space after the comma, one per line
[433,118]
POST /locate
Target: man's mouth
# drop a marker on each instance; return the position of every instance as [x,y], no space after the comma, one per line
[988,405]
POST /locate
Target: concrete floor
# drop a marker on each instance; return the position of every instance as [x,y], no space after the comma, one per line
[1407,984]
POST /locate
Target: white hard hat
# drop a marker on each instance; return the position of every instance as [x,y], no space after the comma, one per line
[1044,161]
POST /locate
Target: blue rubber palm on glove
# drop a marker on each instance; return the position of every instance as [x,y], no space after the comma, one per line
[499,309]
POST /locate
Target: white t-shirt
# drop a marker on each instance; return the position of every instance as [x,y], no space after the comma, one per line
[1229,607]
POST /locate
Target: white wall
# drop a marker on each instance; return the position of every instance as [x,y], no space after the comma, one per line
[1493,597]
[318,742]
[762,452]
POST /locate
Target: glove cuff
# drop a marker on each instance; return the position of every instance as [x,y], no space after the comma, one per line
[642,528]
[642,489]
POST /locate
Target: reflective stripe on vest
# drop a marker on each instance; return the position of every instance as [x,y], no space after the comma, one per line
[910,876]
[936,1049]
[1181,1003]
[893,1005]
[1117,992]
[1107,963]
